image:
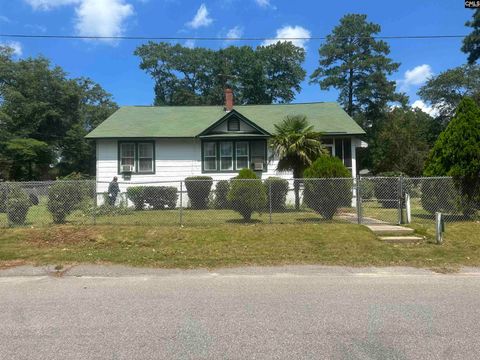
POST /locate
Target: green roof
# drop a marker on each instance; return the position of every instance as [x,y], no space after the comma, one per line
[190,121]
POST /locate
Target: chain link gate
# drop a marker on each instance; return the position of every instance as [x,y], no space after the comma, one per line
[380,200]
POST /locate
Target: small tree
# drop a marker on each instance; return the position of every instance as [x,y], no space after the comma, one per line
[296,145]
[198,189]
[328,188]
[457,153]
[247,194]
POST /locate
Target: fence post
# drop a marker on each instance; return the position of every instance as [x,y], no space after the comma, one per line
[270,200]
[95,203]
[400,199]
[181,203]
[7,193]
[359,200]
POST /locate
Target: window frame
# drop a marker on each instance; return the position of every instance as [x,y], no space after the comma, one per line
[235,168]
[242,156]
[136,158]
[231,156]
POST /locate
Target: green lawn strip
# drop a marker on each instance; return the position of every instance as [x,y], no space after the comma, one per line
[327,243]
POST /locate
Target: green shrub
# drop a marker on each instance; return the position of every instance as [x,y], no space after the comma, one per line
[161,197]
[386,187]
[136,194]
[221,194]
[65,197]
[277,189]
[3,197]
[440,195]
[17,205]
[198,190]
[327,186]
[247,194]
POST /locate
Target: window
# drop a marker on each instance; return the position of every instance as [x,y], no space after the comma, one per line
[242,155]
[233,124]
[258,149]
[230,156]
[210,156]
[145,157]
[139,154]
[127,154]
[226,155]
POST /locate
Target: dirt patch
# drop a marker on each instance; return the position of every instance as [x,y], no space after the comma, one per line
[61,235]
[11,263]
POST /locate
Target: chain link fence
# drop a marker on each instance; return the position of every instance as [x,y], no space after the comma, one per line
[212,202]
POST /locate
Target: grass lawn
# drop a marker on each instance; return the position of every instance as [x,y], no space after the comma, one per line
[328,243]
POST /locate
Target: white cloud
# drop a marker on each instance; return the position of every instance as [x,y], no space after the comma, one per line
[190,43]
[430,110]
[4,19]
[201,18]
[102,17]
[49,4]
[93,17]
[416,76]
[15,46]
[298,34]
[235,32]
[265,4]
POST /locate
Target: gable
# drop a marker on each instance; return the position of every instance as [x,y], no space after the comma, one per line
[233,123]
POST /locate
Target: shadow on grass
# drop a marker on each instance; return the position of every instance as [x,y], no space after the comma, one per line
[313,219]
[243,221]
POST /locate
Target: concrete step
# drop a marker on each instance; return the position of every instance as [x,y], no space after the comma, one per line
[383,229]
[401,239]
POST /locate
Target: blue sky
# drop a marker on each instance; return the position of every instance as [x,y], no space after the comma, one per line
[113,65]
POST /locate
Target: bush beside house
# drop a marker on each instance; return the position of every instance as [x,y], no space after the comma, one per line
[332,191]
[221,194]
[198,190]
[136,195]
[277,190]
[247,194]
[161,197]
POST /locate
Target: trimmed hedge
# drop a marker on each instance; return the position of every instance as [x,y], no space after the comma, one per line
[326,195]
[277,188]
[17,205]
[221,194]
[136,195]
[65,197]
[198,190]
[247,194]
[161,197]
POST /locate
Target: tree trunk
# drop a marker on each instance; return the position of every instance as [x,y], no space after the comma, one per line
[350,92]
[296,188]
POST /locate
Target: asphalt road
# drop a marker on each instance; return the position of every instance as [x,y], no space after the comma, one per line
[254,313]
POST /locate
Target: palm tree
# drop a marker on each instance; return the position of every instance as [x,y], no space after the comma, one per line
[297,146]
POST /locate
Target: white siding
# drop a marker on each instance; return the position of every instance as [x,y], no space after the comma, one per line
[175,159]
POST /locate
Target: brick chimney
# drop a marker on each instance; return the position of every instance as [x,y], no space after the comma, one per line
[228,99]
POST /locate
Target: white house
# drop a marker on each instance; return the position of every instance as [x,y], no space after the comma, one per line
[153,144]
